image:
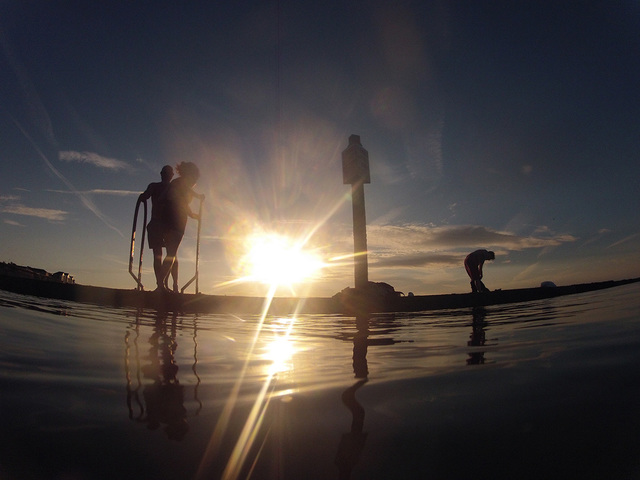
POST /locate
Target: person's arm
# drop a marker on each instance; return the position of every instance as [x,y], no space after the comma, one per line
[199,196]
[147,193]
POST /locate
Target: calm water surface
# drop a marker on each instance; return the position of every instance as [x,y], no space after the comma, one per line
[547,389]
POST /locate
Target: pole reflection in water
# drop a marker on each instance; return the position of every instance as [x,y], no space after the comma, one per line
[132,391]
[477,338]
[156,373]
[194,366]
[352,442]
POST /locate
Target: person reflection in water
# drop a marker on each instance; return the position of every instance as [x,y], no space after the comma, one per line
[477,338]
[164,398]
[156,228]
[179,196]
[352,443]
[473,265]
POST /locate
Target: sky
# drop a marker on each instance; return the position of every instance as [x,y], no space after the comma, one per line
[510,126]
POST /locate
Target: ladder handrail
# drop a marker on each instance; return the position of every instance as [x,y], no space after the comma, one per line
[195,277]
[138,279]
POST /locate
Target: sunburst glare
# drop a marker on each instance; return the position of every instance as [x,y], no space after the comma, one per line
[277,260]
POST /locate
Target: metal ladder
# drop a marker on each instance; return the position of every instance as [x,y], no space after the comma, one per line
[138,277]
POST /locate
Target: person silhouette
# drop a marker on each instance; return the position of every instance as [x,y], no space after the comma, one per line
[156,228]
[473,265]
[178,197]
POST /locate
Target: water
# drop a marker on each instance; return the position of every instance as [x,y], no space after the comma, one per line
[547,389]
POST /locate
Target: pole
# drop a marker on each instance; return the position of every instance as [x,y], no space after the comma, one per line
[360,259]
[138,278]
[195,277]
[198,246]
[355,172]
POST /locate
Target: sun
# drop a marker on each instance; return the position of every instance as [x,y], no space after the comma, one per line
[277,260]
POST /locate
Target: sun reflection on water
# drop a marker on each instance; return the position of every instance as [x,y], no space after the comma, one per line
[272,343]
[280,353]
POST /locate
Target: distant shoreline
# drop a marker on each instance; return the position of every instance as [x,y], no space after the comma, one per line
[20,271]
[354,303]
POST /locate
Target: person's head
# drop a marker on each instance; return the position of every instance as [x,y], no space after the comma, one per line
[189,171]
[491,256]
[166,174]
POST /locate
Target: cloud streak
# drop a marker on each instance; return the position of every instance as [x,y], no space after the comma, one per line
[39,117]
[416,245]
[46,213]
[416,236]
[99,191]
[9,198]
[418,260]
[83,198]
[94,159]
[13,222]
[624,240]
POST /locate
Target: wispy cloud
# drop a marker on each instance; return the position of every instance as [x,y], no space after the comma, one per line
[39,118]
[624,240]
[99,191]
[601,233]
[36,111]
[9,198]
[46,213]
[417,245]
[13,222]
[423,237]
[86,201]
[153,167]
[94,159]
[418,260]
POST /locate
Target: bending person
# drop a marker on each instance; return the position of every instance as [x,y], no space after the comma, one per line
[179,196]
[156,227]
[473,265]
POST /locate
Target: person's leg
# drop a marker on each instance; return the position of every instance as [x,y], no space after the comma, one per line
[174,274]
[473,275]
[172,240]
[155,238]
[167,264]
[157,266]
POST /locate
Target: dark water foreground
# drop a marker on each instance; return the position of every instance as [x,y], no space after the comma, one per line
[544,389]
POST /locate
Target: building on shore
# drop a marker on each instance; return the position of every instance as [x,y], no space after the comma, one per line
[11,269]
